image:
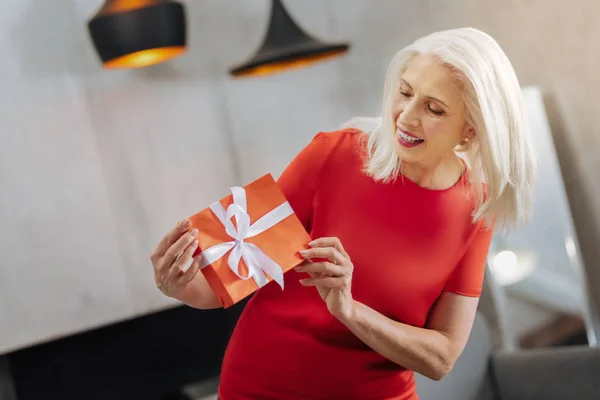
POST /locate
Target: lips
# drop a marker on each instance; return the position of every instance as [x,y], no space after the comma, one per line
[407,133]
[408,140]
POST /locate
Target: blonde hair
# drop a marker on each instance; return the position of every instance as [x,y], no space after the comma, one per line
[501,154]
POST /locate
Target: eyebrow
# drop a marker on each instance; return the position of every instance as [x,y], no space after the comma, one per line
[402,80]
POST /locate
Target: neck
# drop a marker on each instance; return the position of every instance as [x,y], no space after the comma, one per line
[436,176]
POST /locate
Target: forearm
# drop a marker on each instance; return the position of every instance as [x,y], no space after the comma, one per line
[198,294]
[425,351]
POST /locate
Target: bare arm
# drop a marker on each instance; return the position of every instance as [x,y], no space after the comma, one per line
[198,294]
[430,351]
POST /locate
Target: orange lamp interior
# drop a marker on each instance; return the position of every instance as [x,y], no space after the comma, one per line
[277,67]
[144,58]
[117,6]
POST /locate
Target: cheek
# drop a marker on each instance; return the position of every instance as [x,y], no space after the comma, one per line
[441,131]
[434,127]
[397,108]
[396,111]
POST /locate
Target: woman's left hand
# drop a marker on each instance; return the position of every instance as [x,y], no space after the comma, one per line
[332,278]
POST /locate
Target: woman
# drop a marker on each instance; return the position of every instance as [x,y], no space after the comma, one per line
[404,223]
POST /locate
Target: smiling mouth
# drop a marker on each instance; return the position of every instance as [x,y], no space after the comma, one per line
[409,138]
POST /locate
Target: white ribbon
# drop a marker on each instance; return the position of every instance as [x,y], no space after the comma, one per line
[256,260]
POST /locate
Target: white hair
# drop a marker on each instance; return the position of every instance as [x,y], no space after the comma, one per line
[501,154]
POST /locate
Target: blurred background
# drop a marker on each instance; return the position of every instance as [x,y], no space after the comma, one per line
[102,153]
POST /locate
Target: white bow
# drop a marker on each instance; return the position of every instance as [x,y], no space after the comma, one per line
[256,260]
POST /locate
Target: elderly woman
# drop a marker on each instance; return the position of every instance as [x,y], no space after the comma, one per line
[401,210]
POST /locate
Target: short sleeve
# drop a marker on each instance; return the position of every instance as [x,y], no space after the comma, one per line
[298,181]
[467,277]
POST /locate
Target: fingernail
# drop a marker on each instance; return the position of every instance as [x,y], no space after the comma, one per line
[303,281]
[303,252]
[298,269]
[312,243]
[194,232]
[187,266]
[185,223]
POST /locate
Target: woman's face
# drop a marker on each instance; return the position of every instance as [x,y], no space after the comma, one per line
[430,113]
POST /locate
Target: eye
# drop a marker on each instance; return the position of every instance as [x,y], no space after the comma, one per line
[439,113]
[405,94]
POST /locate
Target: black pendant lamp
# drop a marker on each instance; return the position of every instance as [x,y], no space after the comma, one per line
[286,46]
[138,33]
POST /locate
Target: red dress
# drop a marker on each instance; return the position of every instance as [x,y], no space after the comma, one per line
[407,243]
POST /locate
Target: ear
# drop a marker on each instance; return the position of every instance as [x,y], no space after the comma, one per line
[468,136]
[469,133]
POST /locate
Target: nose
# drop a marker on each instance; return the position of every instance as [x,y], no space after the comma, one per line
[409,115]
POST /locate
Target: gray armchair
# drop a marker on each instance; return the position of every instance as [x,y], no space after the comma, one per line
[566,373]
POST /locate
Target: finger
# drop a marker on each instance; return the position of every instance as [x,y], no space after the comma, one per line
[329,242]
[329,282]
[185,260]
[178,247]
[330,253]
[312,274]
[191,272]
[170,238]
[325,268]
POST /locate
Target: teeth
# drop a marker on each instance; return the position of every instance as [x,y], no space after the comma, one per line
[409,138]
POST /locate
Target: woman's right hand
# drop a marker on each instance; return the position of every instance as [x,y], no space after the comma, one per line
[171,260]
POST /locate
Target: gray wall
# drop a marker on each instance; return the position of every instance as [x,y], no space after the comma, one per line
[96,165]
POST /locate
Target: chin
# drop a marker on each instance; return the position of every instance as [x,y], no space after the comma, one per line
[408,155]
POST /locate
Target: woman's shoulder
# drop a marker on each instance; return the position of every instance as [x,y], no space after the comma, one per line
[327,145]
[340,150]
[339,139]
[342,145]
